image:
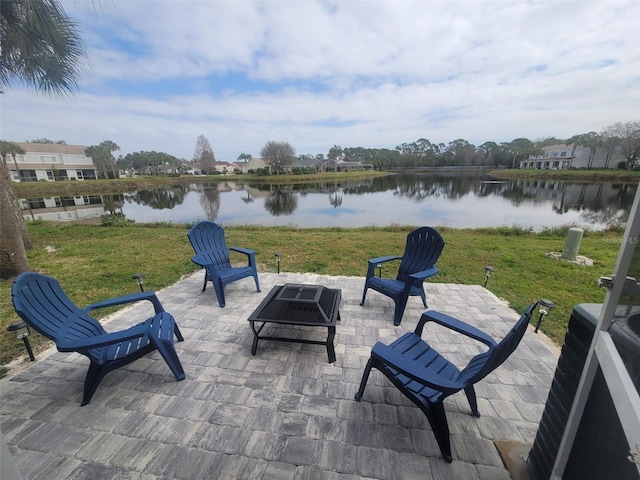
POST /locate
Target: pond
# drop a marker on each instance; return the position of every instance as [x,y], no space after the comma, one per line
[443,199]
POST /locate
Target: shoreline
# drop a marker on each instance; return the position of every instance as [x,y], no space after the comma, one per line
[127,184]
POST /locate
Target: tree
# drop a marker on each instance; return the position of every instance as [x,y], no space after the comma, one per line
[247,157]
[278,155]
[14,239]
[46,140]
[627,137]
[491,153]
[103,158]
[461,151]
[153,163]
[40,49]
[335,153]
[591,140]
[203,154]
[520,148]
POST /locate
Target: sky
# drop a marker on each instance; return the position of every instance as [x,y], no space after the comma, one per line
[357,73]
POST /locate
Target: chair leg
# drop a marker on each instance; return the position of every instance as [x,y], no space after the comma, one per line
[204,286]
[438,421]
[219,288]
[365,377]
[177,332]
[94,375]
[471,396]
[255,276]
[423,295]
[401,304]
[170,356]
[364,294]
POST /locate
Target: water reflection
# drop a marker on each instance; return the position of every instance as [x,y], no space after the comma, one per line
[160,198]
[281,201]
[70,209]
[210,202]
[456,200]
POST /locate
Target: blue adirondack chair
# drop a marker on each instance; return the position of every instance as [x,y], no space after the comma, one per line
[212,254]
[422,250]
[426,378]
[43,305]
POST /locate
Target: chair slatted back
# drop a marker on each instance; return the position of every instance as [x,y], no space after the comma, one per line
[422,250]
[483,364]
[207,239]
[40,301]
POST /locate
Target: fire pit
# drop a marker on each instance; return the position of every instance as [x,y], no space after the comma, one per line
[293,304]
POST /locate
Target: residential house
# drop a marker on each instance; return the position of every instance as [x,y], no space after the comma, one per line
[319,165]
[50,162]
[331,165]
[558,157]
[344,166]
[252,164]
[223,167]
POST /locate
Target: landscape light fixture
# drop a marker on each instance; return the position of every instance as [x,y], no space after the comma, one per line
[22,332]
[379,266]
[139,277]
[487,273]
[278,255]
[544,308]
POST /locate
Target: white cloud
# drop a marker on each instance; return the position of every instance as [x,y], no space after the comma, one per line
[353,73]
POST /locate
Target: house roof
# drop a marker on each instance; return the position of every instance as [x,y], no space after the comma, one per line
[30,147]
[309,162]
[254,163]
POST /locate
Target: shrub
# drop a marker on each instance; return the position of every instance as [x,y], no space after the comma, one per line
[114,220]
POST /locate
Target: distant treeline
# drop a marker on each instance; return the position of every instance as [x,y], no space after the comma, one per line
[422,153]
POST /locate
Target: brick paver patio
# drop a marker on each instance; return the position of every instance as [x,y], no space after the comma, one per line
[285,413]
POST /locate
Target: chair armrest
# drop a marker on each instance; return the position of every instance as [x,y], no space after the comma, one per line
[393,359]
[201,260]
[388,258]
[453,324]
[374,262]
[102,340]
[251,255]
[430,272]
[246,251]
[131,298]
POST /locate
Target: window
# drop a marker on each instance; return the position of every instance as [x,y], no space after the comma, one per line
[48,159]
[88,174]
[78,160]
[563,154]
[35,203]
[28,176]
[79,175]
[50,176]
